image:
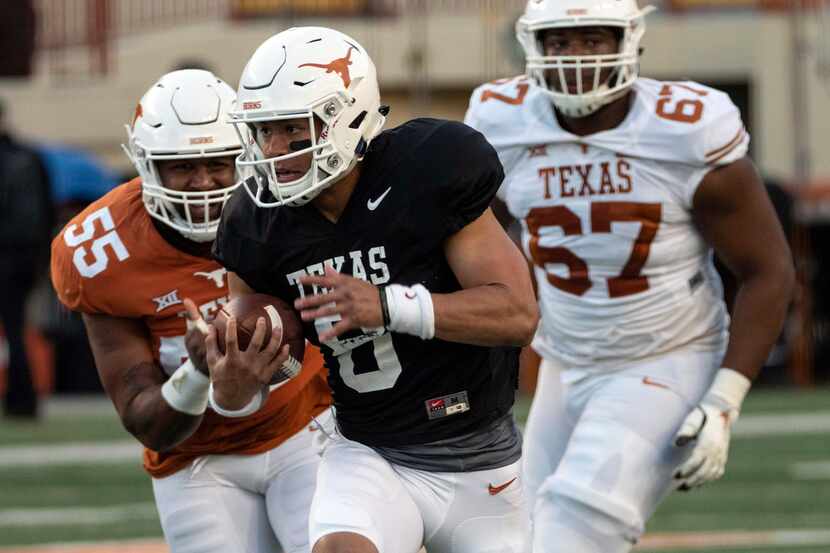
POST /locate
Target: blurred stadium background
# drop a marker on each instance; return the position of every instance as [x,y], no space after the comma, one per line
[72,70]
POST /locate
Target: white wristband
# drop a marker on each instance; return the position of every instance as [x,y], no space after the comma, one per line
[187,390]
[253,406]
[728,390]
[410,310]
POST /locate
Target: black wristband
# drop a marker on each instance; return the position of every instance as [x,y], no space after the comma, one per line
[384,306]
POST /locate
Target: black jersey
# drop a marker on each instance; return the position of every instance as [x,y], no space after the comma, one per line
[420,183]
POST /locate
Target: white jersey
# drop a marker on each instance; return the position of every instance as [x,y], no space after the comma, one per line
[606,219]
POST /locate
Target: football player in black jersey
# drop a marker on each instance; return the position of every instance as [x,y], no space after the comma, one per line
[418,299]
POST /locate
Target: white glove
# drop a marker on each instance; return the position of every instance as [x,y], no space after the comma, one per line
[708,427]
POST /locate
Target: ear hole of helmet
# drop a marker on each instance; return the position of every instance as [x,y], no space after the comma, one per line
[358,120]
[360,149]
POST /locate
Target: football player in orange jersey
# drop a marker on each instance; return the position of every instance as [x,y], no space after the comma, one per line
[134,263]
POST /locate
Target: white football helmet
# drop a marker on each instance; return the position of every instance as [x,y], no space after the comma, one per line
[308,72]
[541,15]
[184,115]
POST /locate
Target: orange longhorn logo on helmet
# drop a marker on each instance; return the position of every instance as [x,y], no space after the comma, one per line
[138,113]
[339,66]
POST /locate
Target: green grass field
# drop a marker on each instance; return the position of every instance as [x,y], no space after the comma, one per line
[775,481]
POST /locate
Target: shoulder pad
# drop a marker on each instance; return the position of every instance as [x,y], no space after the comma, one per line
[689,123]
[90,255]
[495,109]
[513,114]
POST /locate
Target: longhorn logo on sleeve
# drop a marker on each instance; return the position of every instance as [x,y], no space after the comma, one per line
[217,276]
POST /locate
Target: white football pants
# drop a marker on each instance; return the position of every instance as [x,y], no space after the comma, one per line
[400,509]
[603,444]
[243,503]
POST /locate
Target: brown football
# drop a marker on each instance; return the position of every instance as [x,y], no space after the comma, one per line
[277,314]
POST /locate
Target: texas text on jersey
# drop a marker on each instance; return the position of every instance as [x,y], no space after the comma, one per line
[111,260]
[389,389]
[606,218]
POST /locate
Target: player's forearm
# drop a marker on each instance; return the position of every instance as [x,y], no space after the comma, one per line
[490,315]
[145,412]
[238,287]
[758,316]
[154,423]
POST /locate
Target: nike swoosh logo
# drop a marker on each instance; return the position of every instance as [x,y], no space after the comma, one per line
[496,489]
[373,204]
[649,382]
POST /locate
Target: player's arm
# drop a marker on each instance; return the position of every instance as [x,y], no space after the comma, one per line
[134,381]
[479,118]
[734,214]
[529,359]
[238,287]
[502,214]
[497,305]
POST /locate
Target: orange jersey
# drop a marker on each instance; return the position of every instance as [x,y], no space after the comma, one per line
[111,260]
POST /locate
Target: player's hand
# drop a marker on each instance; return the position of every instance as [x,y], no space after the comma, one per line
[706,430]
[237,375]
[355,301]
[194,340]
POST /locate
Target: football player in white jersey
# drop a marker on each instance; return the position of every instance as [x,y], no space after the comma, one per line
[624,186]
